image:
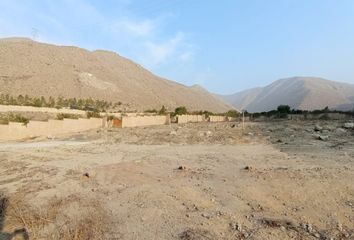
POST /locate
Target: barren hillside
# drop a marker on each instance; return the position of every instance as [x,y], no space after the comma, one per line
[306,93]
[37,69]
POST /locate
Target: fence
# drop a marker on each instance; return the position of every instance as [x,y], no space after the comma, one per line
[190,118]
[138,121]
[17,131]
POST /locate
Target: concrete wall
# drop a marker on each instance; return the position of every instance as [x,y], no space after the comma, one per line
[217,118]
[190,118]
[17,131]
[137,121]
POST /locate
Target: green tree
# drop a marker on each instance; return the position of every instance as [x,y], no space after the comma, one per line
[162,110]
[181,110]
[284,109]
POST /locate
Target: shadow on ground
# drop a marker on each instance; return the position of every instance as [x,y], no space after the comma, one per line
[4,203]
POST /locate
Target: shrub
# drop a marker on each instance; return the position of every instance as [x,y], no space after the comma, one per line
[180,111]
[93,114]
[232,113]
[162,110]
[151,111]
[18,118]
[61,116]
[284,109]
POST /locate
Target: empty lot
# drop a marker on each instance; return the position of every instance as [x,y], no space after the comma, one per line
[194,181]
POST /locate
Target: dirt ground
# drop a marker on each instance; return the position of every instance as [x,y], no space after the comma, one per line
[280,180]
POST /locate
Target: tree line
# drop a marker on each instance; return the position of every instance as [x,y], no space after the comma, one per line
[87,104]
[283,111]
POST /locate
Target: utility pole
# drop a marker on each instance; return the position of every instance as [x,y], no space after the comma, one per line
[243,120]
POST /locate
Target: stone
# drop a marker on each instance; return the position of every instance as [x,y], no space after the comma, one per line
[249,168]
[348,125]
[317,235]
[323,138]
[340,130]
[325,131]
[182,168]
[309,228]
[318,128]
[173,133]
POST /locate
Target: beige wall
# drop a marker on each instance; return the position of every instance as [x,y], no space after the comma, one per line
[144,121]
[17,131]
[217,118]
[190,118]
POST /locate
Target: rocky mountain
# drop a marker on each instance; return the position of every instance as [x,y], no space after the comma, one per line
[38,69]
[306,93]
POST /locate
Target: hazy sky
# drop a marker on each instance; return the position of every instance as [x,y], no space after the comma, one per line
[224,45]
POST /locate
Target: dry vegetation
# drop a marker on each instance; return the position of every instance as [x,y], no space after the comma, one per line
[195,181]
[72,217]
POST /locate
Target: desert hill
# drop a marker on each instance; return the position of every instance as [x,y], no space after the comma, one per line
[306,93]
[38,69]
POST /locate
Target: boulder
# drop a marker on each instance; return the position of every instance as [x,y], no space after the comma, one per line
[340,131]
[323,138]
[348,125]
[318,128]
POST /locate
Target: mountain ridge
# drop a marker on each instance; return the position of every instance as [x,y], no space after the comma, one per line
[42,69]
[305,93]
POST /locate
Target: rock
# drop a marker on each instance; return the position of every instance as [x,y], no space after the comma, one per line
[317,235]
[325,131]
[87,175]
[316,136]
[205,215]
[248,168]
[340,130]
[236,226]
[318,128]
[182,168]
[323,138]
[233,125]
[174,133]
[348,125]
[309,228]
[209,133]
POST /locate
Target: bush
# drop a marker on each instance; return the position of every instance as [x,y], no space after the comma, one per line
[61,116]
[150,111]
[162,110]
[180,111]
[232,113]
[93,115]
[285,109]
[13,118]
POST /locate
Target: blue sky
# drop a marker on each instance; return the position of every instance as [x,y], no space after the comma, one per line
[226,45]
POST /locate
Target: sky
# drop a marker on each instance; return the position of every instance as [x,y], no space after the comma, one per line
[226,46]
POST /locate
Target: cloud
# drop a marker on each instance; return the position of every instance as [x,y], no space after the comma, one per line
[157,53]
[134,28]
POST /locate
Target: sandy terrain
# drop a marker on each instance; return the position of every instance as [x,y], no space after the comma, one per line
[193,181]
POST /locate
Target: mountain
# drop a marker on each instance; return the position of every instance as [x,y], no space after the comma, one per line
[38,69]
[305,93]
